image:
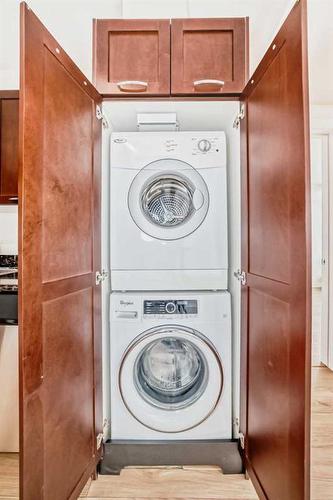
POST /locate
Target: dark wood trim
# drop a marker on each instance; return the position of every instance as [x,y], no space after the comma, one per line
[97,298]
[223,453]
[245,267]
[185,98]
[256,483]
[308,223]
[9,112]
[93,465]
[9,94]
[247,48]
[8,200]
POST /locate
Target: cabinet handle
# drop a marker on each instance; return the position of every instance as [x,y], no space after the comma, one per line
[13,198]
[208,83]
[132,86]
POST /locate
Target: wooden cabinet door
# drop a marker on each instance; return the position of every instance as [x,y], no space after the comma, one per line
[276,317]
[132,57]
[9,132]
[209,56]
[59,254]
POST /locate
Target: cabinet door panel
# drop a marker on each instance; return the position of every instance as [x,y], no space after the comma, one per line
[204,50]
[59,254]
[132,56]
[9,131]
[276,312]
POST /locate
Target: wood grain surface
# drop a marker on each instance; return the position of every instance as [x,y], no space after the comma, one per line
[276,322]
[59,255]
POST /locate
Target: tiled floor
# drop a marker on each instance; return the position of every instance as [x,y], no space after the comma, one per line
[205,484]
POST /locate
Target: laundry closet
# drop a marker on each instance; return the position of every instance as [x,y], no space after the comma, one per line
[164,264]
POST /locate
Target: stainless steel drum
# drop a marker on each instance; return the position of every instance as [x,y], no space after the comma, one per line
[168,201]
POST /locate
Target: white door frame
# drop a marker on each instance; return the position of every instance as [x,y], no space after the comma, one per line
[326,340]
[329,346]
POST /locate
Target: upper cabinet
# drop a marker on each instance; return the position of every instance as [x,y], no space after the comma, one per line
[184,57]
[132,56]
[209,56]
[9,131]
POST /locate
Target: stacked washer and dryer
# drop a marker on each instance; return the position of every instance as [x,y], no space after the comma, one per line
[170,308]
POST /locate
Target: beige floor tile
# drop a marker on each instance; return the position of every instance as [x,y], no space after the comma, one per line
[172,484]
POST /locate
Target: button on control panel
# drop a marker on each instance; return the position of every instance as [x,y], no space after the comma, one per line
[170,307]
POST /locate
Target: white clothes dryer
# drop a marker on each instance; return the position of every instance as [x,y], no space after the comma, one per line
[169,226]
[171,366]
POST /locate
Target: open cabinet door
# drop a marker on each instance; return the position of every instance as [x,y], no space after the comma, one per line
[59,252]
[276,300]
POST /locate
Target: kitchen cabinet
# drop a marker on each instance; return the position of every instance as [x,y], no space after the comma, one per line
[207,56]
[132,57]
[9,131]
[60,319]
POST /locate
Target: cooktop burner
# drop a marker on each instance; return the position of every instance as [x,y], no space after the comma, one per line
[8,288]
[8,276]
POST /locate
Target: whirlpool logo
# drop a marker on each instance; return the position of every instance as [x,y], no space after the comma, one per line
[120,140]
[126,303]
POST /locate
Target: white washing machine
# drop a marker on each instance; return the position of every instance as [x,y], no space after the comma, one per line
[169,211]
[171,366]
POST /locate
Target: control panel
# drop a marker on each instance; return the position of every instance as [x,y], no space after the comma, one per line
[134,150]
[199,145]
[208,145]
[169,307]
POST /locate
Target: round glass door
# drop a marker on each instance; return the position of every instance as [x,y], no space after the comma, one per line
[168,199]
[171,373]
[164,375]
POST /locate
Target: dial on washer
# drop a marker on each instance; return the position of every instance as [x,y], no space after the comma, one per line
[170,307]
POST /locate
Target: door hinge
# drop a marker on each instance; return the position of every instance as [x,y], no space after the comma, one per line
[101,276]
[101,116]
[240,116]
[99,440]
[241,276]
[242,440]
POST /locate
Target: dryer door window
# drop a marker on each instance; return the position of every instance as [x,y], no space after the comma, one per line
[168,199]
[171,378]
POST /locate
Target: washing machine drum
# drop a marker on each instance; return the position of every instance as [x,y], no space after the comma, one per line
[168,199]
[171,379]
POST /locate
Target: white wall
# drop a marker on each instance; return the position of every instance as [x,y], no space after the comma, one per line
[320,28]
[70,21]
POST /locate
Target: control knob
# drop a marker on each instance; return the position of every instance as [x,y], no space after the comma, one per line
[204,145]
[170,307]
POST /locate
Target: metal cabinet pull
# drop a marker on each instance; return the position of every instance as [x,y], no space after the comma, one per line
[13,198]
[132,86]
[208,83]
